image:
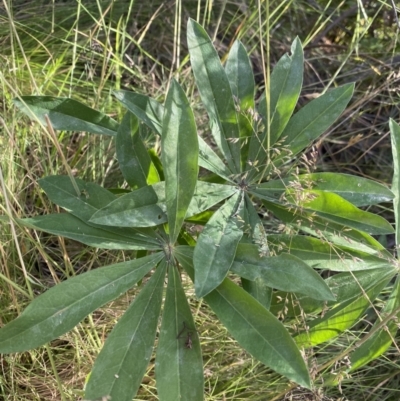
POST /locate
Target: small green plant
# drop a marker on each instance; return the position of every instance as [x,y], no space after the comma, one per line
[254,169]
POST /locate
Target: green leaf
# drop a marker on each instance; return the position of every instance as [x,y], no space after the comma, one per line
[216,246]
[334,208]
[66,114]
[122,363]
[143,107]
[61,191]
[241,80]
[179,365]
[315,118]
[380,340]
[151,113]
[344,286]
[335,233]
[146,207]
[254,327]
[258,290]
[215,93]
[284,272]
[134,161]
[324,255]
[395,139]
[357,190]
[285,86]
[180,153]
[209,160]
[69,226]
[343,316]
[62,307]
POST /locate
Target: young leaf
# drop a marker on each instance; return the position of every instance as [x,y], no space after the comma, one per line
[286,81]
[241,79]
[133,158]
[180,152]
[343,316]
[284,272]
[69,226]
[179,365]
[357,190]
[67,114]
[216,246]
[254,327]
[121,364]
[381,340]
[62,307]
[334,208]
[335,233]
[215,93]
[324,255]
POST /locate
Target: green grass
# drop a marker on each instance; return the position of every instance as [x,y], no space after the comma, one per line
[84,50]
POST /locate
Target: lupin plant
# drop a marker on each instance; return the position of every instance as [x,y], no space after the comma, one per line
[256,168]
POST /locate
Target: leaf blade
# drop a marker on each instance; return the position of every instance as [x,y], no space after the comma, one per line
[67,114]
[216,246]
[62,307]
[215,92]
[121,364]
[179,369]
[180,151]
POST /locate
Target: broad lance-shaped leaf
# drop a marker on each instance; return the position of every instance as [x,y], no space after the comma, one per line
[357,190]
[241,79]
[146,207]
[254,327]
[215,93]
[395,139]
[381,340]
[344,286]
[314,119]
[143,107]
[343,316]
[151,112]
[133,159]
[69,226]
[334,208]
[67,114]
[179,365]
[122,363]
[284,272]
[62,307]
[337,234]
[179,153]
[324,255]
[285,86]
[216,246]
